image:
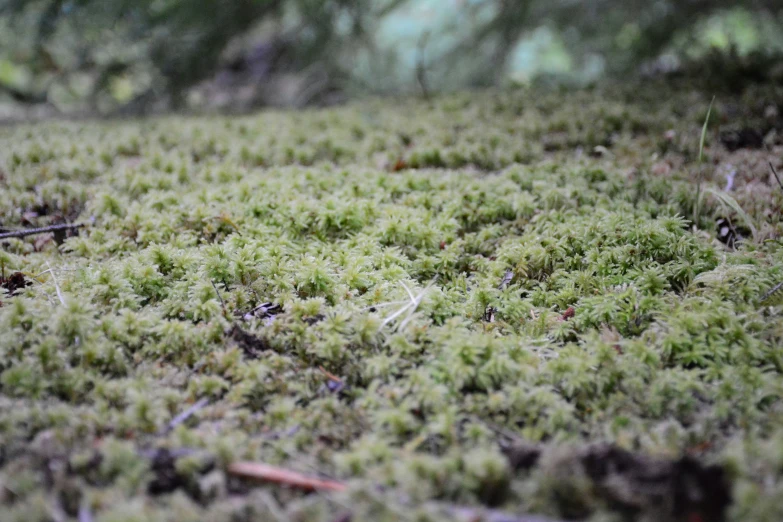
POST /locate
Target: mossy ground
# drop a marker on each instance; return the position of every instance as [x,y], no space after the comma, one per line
[552,293]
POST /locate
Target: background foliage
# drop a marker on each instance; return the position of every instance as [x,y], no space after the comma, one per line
[103,55]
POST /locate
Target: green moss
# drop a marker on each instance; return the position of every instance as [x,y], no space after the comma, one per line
[388,231]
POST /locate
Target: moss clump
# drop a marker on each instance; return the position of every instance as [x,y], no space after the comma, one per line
[453,278]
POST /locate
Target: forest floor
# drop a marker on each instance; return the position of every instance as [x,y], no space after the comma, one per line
[507,306]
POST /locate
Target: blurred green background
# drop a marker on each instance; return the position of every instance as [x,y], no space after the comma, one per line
[147,56]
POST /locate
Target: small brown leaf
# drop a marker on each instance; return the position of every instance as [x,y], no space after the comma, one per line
[399,165]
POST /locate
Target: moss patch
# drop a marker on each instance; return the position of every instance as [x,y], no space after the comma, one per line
[401,295]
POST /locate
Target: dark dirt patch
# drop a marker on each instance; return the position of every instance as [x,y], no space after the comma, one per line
[681,489]
[745,138]
[522,457]
[14,283]
[166,476]
[252,345]
[688,489]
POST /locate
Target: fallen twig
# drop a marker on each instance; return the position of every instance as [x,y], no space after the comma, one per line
[56,286]
[40,230]
[499,430]
[185,415]
[410,307]
[775,172]
[267,473]
[220,298]
[772,291]
[330,376]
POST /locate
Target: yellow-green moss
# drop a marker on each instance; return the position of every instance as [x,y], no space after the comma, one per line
[384,230]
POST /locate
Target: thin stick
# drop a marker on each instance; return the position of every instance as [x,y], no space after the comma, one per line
[332,377]
[56,286]
[266,473]
[772,167]
[222,303]
[40,230]
[499,430]
[772,291]
[408,319]
[185,415]
[410,294]
[413,305]
[396,314]
[697,203]
[775,172]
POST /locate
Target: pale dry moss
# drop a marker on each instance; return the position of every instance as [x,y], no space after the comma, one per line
[668,350]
